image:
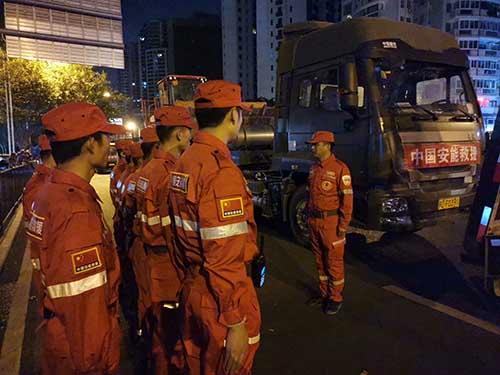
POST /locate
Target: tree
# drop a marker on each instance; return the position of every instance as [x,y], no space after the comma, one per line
[38,86]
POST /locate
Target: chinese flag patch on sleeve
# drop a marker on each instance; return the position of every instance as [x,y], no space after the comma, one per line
[231,207]
[86,260]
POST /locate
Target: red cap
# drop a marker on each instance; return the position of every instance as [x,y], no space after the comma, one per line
[122,144]
[136,150]
[44,143]
[218,94]
[322,136]
[148,135]
[174,116]
[77,120]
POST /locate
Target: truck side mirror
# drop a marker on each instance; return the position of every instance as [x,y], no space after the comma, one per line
[349,87]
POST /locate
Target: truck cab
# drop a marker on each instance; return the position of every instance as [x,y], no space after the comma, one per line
[401,103]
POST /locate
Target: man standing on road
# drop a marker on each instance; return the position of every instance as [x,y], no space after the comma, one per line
[174,126]
[132,213]
[215,236]
[118,169]
[330,211]
[78,262]
[39,178]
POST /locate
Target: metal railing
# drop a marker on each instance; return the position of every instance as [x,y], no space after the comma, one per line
[12,183]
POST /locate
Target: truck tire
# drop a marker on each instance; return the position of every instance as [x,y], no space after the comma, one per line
[297,216]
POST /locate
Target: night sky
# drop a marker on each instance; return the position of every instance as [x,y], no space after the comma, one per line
[137,12]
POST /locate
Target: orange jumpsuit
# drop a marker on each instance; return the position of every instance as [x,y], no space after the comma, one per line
[330,209]
[115,175]
[80,272]
[164,282]
[32,187]
[215,236]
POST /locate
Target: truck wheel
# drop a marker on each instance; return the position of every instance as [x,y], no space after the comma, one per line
[297,216]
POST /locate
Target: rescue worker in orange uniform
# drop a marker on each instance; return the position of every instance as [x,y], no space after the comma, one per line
[134,199]
[118,169]
[118,229]
[42,172]
[78,262]
[330,210]
[215,236]
[174,125]
[128,287]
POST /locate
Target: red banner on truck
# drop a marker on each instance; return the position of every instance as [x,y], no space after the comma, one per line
[436,155]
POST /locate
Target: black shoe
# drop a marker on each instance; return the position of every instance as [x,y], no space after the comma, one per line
[315,301]
[332,307]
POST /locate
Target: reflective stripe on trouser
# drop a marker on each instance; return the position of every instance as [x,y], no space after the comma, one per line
[200,320]
[328,250]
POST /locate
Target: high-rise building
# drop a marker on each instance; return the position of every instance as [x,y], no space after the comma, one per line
[81,32]
[195,46]
[272,17]
[129,77]
[475,24]
[239,37]
[152,52]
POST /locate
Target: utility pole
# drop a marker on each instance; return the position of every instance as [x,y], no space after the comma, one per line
[9,111]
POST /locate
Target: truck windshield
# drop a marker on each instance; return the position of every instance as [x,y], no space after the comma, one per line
[184,89]
[424,88]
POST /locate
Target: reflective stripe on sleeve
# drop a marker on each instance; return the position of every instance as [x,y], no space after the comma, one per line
[188,225]
[323,278]
[153,220]
[339,282]
[75,288]
[165,221]
[138,215]
[338,242]
[347,191]
[224,231]
[251,340]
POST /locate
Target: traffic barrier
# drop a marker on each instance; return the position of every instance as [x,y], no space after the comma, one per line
[12,182]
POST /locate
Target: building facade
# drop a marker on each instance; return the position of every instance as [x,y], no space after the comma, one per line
[152,57]
[475,24]
[195,46]
[239,44]
[80,32]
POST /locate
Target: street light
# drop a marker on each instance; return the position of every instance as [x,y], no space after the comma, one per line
[131,126]
[106,94]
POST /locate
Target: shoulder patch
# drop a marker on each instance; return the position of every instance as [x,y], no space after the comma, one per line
[231,207]
[112,175]
[119,184]
[142,184]
[35,226]
[86,260]
[179,182]
[131,186]
[346,179]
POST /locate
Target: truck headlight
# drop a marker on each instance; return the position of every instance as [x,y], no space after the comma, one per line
[394,206]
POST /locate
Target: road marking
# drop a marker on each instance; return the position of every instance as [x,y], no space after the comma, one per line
[450,311]
[10,357]
[10,234]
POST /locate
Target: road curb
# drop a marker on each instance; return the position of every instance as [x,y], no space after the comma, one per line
[8,238]
[10,355]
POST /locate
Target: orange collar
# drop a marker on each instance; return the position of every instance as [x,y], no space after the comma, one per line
[59,176]
[325,163]
[212,141]
[164,155]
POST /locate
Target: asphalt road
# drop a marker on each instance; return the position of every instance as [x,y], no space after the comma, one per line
[377,331]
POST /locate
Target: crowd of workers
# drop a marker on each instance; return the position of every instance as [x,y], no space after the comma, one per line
[185,238]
